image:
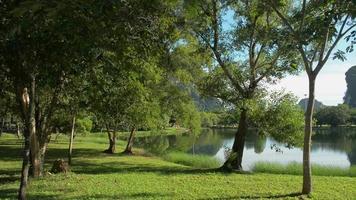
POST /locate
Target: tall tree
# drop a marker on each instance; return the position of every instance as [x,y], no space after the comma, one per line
[247,55]
[315,27]
[42,44]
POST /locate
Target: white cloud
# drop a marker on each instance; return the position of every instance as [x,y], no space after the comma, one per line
[329,89]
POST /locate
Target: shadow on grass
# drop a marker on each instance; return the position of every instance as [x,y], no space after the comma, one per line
[277,196]
[144,195]
[8,193]
[83,167]
[8,179]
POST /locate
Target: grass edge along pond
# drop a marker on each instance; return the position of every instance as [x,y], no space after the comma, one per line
[295,168]
[96,175]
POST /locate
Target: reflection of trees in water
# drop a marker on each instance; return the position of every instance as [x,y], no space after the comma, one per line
[352,155]
[208,143]
[337,139]
[256,141]
[260,144]
[153,144]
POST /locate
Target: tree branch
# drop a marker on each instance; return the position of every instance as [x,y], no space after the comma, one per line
[337,39]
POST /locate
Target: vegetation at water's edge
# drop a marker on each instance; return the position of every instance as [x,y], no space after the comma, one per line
[295,168]
[197,161]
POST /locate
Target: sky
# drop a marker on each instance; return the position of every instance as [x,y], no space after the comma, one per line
[330,85]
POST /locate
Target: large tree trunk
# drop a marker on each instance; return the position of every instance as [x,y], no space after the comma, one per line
[27,107]
[234,162]
[112,142]
[38,146]
[71,142]
[307,182]
[130,141]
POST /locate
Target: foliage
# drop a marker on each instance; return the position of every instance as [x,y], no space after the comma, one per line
[333,115]
[84,125]
[209,119]
[280,117]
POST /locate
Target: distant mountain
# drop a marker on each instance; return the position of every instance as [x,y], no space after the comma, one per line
[206,104]
[304,103]
[350,95]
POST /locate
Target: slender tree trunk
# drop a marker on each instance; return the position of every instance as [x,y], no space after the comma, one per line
[71,142]
[25,165]
[307,181]
[234,162]
[35,156]
[43,150]
[2,126]
[130,141]
[112,141]
[27,106]
[18,130]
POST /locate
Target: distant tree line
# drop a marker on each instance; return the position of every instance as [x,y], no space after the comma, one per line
[336,115]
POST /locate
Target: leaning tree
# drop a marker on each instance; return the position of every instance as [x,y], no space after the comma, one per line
[248,53]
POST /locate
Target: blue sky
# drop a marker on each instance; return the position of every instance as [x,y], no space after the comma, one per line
[330,84]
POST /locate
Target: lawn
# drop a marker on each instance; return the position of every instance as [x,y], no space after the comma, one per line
[99,176]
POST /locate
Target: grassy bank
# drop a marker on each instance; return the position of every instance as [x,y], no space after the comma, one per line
[99,176]
[297,169]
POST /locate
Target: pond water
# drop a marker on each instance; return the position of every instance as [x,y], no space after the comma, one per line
[336,147]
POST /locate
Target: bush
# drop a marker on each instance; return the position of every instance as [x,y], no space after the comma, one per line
[84,125]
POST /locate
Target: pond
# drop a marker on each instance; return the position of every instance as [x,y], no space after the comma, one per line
[335,147]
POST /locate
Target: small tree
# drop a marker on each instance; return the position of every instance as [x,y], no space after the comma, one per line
[315,27]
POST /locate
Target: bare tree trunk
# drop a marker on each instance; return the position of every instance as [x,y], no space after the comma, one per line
[130,141]
[307,181]
[112,141]
[71,142]
[234,162]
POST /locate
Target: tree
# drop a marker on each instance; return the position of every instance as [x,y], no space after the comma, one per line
[350,95]
[233,78]
[334,115]
[315,27]
[44,43]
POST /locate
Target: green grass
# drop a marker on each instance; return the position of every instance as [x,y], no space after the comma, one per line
[295,168]
[99,176]
[197,161]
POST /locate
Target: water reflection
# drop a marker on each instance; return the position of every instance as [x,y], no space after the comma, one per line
[330,146]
